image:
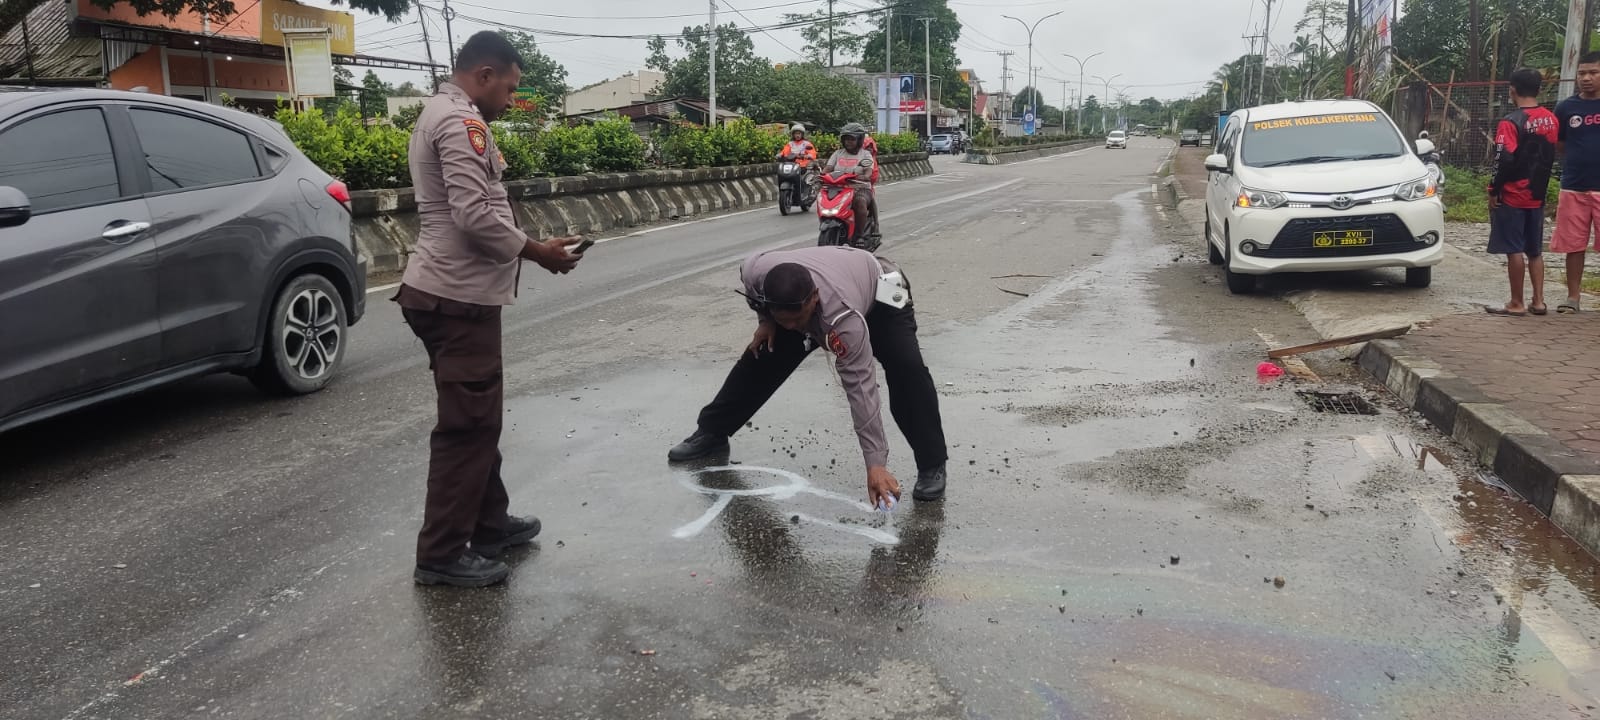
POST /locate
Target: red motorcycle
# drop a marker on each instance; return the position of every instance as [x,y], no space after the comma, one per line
[836,212]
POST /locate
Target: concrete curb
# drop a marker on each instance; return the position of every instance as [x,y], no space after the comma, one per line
[1559,481]
[385,222]
[1002,156]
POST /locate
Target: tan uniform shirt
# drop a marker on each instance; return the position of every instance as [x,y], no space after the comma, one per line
[847,287]
[469,244]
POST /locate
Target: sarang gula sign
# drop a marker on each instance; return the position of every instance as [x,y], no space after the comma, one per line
[280,15]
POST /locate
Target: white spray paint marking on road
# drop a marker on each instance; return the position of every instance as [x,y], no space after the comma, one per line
[796,485]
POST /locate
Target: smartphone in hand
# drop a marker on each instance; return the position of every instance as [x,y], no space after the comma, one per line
[585,245]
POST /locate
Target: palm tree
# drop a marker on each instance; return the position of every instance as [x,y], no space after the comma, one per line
[1307,50]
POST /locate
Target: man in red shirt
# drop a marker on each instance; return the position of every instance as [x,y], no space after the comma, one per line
[1525,150]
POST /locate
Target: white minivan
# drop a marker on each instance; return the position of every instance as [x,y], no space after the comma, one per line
[1320,186]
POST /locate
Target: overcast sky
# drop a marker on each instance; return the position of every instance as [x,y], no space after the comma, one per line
[1161,48]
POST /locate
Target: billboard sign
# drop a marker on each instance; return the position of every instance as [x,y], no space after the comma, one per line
[913,106]
[279,16]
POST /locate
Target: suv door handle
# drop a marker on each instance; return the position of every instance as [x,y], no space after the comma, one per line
[124,230]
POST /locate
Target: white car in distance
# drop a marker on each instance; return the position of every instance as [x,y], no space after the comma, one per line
[1117,139]
[1320,186]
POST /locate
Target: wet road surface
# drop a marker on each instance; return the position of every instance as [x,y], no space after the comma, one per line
[1136,527]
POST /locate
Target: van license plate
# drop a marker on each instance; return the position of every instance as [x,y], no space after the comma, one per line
[1341,238]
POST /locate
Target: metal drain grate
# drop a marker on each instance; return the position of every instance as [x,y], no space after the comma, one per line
[1341,403]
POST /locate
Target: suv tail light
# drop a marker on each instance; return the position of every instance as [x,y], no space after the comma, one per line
[338,191]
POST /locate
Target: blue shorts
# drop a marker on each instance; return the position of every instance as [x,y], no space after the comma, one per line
[1514,230]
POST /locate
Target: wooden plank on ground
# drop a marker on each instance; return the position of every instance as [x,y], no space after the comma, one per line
[1393,332]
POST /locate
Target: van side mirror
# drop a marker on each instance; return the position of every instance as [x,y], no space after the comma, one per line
[14,207]
[1425,147]
[1217,162]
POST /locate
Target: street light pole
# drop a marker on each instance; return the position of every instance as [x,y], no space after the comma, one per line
[1107,81]
[1079,123]
[1032,104]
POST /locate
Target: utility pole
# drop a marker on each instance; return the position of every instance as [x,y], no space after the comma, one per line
[1350,49]
[1032,107]
[1266,49]
[1474,41]
[1249,71]
[427,47]
[1064,106]
[1574,47]
[927,66]
[449,14]
[1037,99]
[830,36]
[1005,87]
[1106,100]
[888,40]
[711,117]
[1078,124]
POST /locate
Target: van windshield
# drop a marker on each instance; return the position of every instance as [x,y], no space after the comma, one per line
[1319,138]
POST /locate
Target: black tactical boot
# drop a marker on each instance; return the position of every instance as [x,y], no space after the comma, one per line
[519,531]
[471,570]
[698,445]
[930,485]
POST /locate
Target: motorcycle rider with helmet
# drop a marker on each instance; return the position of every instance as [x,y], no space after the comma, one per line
[798,148]
[854,156]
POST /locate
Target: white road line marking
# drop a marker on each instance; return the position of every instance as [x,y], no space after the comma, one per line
[382,288]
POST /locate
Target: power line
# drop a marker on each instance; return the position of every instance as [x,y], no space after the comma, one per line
[775,39]
[619,17]
[646,36]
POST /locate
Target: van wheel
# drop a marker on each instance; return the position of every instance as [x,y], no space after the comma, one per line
[1213,255]
[304,345]
[1419,277]
[1238,283]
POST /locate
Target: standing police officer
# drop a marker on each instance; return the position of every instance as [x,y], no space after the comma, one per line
[828,297]
[465,268]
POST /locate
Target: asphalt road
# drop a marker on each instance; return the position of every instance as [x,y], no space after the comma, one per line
[1124,493]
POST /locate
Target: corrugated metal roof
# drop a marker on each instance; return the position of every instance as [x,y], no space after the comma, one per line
[56,54]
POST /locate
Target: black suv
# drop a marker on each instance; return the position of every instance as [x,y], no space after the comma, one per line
[145,239]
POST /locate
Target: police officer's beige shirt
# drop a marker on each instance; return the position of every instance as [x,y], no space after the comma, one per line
[469,243]
[847,287]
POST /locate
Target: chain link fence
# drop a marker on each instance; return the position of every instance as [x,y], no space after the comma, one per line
[1460,117]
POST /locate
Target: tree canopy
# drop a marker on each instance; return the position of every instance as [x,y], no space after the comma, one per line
[909,54]
[741,74]
[810,94]
[546,77]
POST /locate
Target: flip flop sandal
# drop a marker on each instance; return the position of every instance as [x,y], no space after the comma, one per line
[1567,307]
[1504,312]
[1539,311]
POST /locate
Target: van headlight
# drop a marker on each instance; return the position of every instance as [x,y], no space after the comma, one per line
[1264,199]
[1419,189]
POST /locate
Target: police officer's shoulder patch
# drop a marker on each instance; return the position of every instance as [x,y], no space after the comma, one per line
[477,134]
[836,344]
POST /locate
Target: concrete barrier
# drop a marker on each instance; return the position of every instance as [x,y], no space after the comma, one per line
[1003,155]
[385,221]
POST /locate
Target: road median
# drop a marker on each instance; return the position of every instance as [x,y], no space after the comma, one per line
[385,222]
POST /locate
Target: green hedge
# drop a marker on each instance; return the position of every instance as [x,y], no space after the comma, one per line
[1466,195]
[367,158]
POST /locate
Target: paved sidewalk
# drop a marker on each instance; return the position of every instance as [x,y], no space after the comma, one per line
[1545,369]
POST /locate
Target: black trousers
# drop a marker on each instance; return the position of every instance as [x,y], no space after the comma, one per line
[913,399]
[466,496]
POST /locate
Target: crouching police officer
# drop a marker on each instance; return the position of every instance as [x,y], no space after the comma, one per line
[466,267]
[858,307]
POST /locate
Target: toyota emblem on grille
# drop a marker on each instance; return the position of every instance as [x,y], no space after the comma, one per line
[1342,202]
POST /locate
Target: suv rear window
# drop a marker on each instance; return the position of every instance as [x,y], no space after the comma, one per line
[1320,138]
[185,152]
